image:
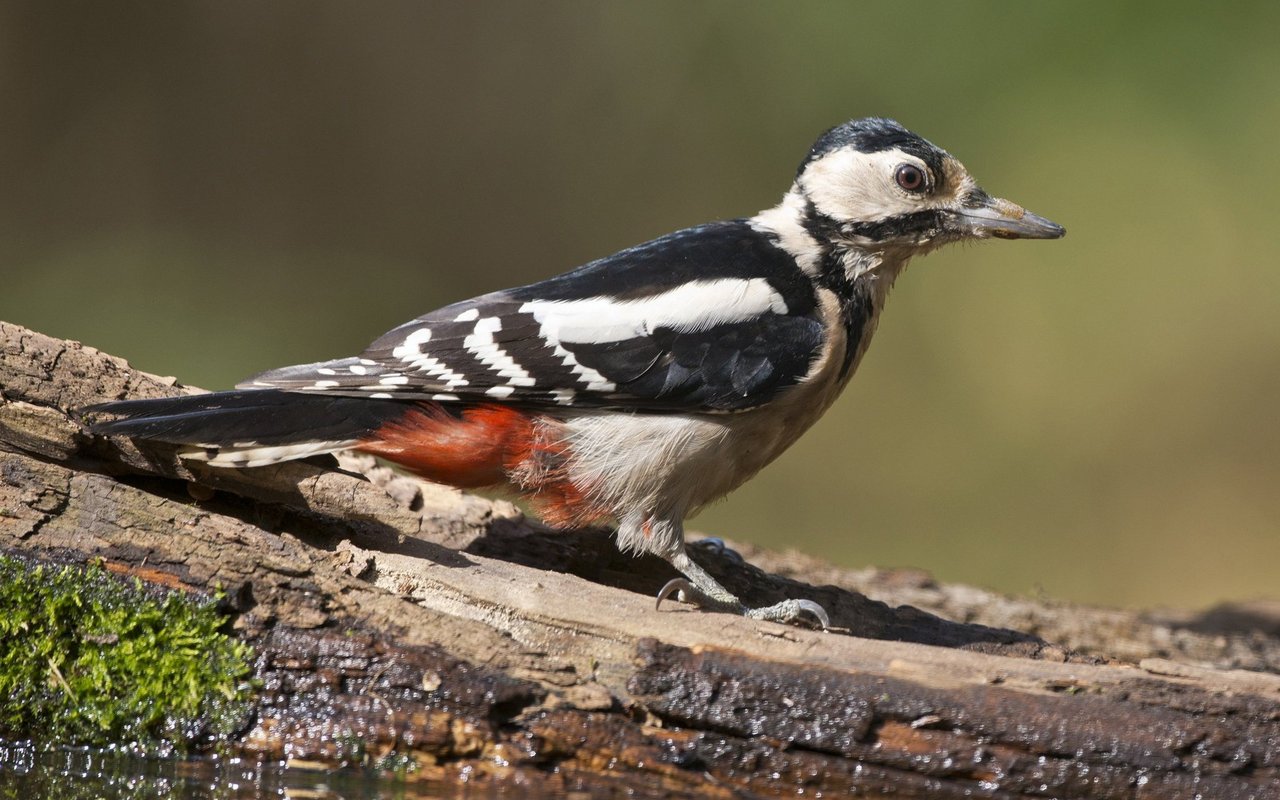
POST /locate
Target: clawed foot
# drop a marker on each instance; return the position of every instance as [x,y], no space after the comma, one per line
[686,592]
[704,591]
[788,611]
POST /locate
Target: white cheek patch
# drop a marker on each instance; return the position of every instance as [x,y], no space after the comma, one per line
[849,185]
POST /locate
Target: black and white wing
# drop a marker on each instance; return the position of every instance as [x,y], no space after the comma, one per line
[713,318]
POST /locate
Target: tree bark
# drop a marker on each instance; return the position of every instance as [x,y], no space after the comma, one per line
[390,615]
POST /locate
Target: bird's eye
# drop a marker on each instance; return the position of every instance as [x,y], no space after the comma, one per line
[910,177]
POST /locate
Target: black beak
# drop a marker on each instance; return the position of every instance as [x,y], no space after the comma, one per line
[1005,220]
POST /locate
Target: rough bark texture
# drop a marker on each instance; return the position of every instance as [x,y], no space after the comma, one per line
[390,615]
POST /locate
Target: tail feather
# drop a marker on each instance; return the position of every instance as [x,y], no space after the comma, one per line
[249,455]
[249,427]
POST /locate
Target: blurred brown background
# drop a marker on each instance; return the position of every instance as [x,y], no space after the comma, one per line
[214,188]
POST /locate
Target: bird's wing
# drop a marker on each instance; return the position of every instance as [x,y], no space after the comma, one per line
[714,318]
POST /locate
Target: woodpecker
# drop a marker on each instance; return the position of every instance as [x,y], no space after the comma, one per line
[640,387]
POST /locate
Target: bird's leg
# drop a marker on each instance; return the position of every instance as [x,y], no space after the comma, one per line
[699,588]
[663,535]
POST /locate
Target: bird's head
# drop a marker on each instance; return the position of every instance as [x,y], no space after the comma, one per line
[872,184]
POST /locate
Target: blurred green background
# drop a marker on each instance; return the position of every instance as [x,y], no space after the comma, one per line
[211,189]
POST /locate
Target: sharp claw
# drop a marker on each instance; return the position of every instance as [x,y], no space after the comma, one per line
[674,586]
[816,610]
[789,611]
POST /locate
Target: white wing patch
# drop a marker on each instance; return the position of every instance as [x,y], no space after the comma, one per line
[525,349]
[592,378]
[482,345]
[694,306]
[433,366]
[411,352]
[411,347]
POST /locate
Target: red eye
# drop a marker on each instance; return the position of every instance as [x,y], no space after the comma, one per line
[910,177]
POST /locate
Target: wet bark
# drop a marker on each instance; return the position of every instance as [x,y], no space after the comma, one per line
[394,616]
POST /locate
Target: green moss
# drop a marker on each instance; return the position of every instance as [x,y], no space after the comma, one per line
[87,658]
[397,764]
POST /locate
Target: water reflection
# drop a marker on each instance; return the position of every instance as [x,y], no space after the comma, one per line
[73,773]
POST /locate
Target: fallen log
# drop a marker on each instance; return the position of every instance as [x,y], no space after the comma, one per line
[393,617]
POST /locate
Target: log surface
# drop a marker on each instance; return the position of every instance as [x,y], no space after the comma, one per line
[389,615]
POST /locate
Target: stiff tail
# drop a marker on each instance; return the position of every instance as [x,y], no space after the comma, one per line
[250,427]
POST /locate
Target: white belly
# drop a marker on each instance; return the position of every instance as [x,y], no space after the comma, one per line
[668,466]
